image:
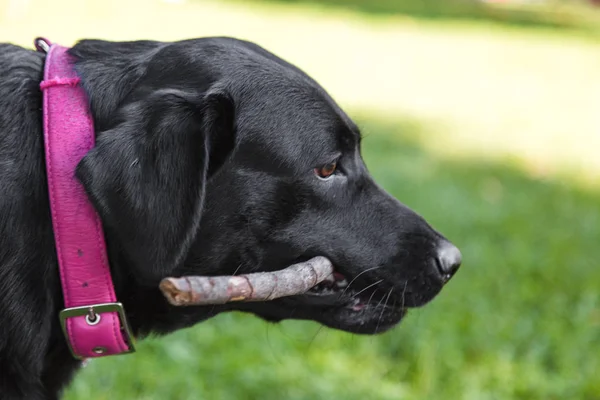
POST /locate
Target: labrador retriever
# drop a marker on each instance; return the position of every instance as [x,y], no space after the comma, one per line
[212,157]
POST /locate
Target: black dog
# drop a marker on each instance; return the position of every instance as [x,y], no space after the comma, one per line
[213,157]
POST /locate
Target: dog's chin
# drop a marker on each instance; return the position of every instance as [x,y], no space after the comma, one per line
[352,311]
[368,319]
[372,318]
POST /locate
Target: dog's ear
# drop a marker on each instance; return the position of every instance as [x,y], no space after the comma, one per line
[147,175]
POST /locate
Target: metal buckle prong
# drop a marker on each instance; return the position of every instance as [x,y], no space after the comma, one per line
[92,315]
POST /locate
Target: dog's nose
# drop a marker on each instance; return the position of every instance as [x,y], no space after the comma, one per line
[449,259]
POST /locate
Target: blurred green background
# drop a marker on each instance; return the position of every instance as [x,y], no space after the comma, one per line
[485,118]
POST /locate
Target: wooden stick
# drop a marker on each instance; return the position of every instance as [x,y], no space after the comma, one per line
[260,286]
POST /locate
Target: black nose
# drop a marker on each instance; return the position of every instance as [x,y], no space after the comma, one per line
[448,260]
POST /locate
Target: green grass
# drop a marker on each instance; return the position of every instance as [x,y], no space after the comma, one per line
[521,319]
[575,16]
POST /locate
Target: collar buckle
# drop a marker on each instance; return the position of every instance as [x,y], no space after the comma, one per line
[92,315]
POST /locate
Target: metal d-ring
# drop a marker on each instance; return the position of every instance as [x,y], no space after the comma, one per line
[92,318]
[42,44]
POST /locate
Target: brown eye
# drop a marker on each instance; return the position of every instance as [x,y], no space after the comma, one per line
[326,170]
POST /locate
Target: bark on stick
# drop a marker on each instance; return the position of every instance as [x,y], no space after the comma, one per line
[260,286]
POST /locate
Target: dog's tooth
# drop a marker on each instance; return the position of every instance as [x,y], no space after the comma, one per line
[341,284]
[329,279]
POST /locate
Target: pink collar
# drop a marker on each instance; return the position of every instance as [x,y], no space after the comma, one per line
[93,321]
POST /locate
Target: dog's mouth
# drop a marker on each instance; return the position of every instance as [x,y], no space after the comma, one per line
[335,289]
[333,284]
[355,306]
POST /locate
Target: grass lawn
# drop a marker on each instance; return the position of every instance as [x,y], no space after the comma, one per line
[568,15]
[521,320]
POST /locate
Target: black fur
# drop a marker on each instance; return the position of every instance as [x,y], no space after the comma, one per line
[204,164]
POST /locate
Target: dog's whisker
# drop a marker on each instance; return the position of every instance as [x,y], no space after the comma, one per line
[404,292]
[368,287]
[234,273]
[380,301]
[371,298]
[237,269]
[383,309]
[312,340]
[273,352]
[378,304]
[356,277]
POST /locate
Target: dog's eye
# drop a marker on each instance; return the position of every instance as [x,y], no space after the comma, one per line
[326,170]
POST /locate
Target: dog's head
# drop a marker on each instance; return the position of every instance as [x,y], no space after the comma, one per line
[214,157]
